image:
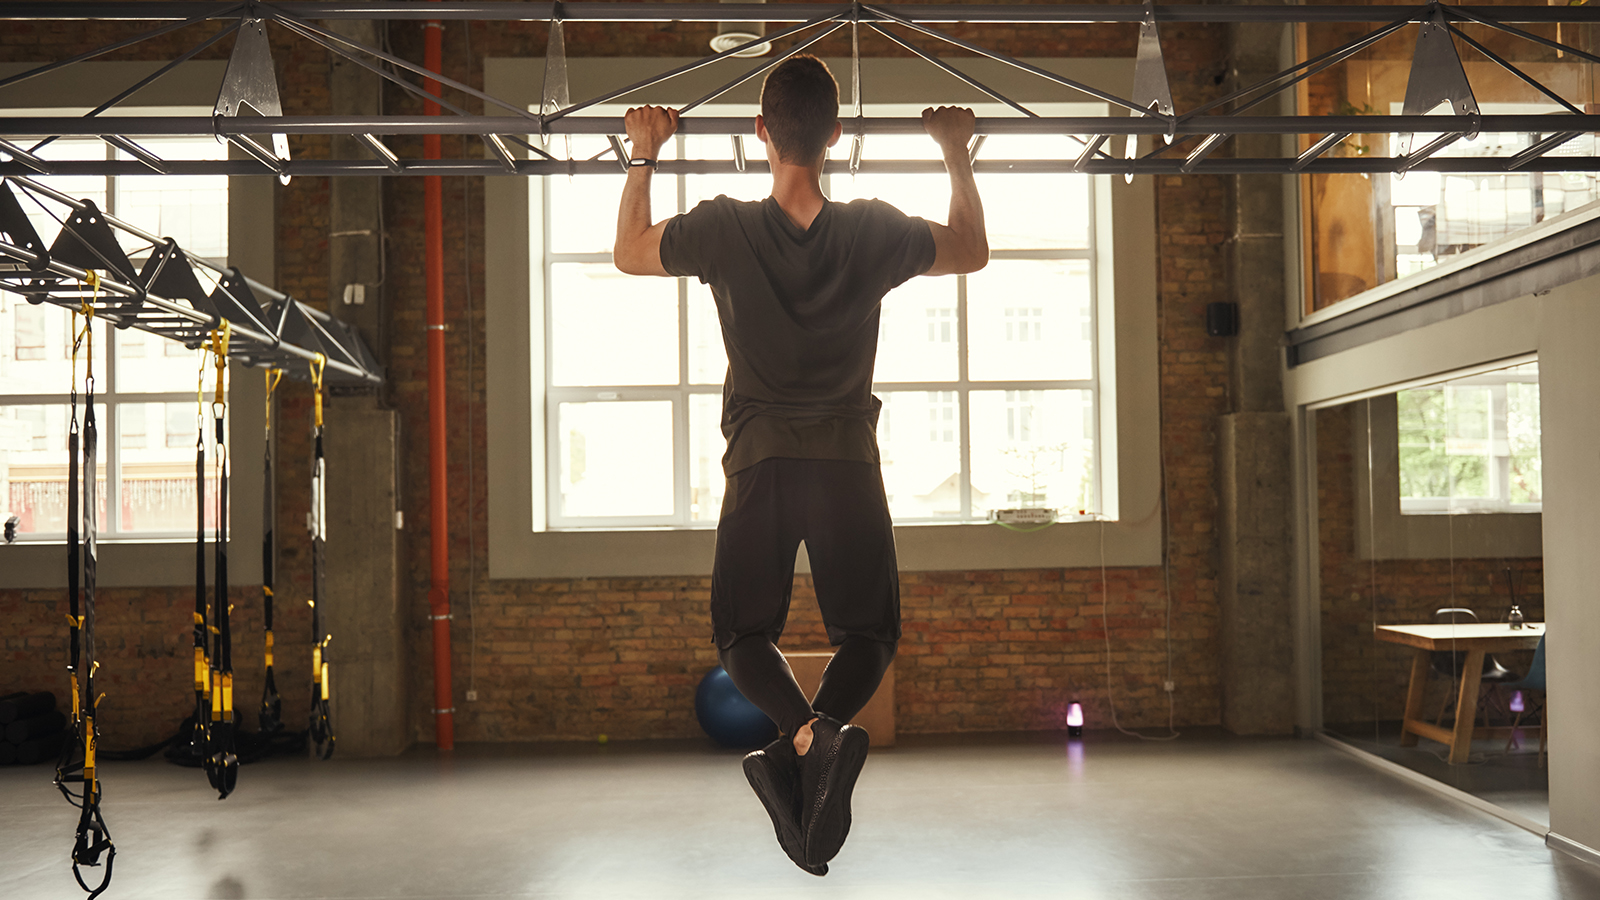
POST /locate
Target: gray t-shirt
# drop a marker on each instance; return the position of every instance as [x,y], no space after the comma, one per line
[799,311]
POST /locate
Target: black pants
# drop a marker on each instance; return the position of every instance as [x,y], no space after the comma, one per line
[838,508]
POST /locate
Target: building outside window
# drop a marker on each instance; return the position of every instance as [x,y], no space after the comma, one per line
[145,400]
[1001,365]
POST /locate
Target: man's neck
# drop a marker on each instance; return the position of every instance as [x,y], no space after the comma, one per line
[798,190]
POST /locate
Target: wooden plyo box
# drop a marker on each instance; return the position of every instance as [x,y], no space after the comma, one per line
[878,716]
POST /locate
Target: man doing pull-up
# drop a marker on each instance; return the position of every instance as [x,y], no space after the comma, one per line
[799,281]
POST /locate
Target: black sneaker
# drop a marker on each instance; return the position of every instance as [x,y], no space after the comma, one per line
[828,774]
[774,773]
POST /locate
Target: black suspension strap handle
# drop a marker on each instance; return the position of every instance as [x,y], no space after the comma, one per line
[322,738]
[271,714]
[93,838]
[222,760]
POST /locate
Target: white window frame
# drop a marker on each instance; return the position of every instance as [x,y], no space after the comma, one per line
[142,560]
[520,542]
[114,401]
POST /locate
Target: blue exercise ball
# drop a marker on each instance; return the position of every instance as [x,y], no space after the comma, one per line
[728,717]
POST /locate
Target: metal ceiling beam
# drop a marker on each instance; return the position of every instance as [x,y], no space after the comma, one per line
[1043,14]
[606,165]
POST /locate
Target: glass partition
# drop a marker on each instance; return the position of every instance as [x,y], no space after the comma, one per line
[1430,558]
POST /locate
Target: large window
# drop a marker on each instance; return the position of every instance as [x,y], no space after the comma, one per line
[1472,444]
[990,382]
[146,408]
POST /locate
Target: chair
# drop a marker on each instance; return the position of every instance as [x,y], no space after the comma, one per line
[1533,681]
[1448,663]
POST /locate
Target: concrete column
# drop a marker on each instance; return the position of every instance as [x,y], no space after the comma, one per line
[364,614]
[1253,442]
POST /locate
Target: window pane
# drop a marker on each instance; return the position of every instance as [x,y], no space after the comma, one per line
[919,440]
[708,357]
[1023,212]
[583,208]
[33,467]
[1424,467]
[36,348]
[1032,449]
[1030,320]
[1522,434]
[158,455]
[190,209]
[926,196]
[616,458]
[150,364]
[706,446]
[917,332]
[750,185]
[611,328]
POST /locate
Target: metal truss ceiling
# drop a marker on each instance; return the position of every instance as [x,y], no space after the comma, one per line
[516,139]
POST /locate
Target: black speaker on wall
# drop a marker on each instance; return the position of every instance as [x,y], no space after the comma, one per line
[1222,319]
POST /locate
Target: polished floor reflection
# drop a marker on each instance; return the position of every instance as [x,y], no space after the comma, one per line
[1206,816]
[1508,774]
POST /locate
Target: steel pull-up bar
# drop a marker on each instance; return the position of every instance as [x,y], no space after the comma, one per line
[1021,14]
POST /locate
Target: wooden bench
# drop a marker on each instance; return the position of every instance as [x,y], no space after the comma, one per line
[878,716]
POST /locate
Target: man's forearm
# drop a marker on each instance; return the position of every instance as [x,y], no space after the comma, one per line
[966,208]
[633,216]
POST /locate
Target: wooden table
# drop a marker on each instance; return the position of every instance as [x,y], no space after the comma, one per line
[1472,638]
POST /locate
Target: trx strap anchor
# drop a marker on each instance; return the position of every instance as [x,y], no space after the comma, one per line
[322,738]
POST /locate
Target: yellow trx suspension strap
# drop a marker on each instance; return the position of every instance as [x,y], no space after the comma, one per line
[93,838]
[321,724]
[271,712]
[221,763]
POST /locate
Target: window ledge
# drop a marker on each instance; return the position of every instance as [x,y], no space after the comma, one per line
[121,564]
[597,553]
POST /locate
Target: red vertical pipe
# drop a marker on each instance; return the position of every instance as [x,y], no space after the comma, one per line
[439,496]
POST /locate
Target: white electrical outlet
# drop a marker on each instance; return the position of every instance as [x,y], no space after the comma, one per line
[1168,686]
[472,696]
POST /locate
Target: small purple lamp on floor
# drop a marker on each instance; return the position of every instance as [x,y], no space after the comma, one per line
[1075,719]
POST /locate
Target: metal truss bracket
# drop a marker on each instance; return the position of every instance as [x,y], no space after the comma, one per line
[252,82]
[86,264]
[1436,77]
[1150,86]
[555,95]
[19,231]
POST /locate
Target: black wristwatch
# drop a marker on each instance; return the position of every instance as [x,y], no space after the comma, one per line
[641,161]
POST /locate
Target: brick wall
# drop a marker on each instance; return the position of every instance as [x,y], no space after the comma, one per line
[1364,680]
[566,660]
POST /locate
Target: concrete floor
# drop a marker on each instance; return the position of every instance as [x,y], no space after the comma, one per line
[1202,817]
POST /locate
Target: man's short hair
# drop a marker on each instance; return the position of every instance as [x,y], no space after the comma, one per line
[800,104]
